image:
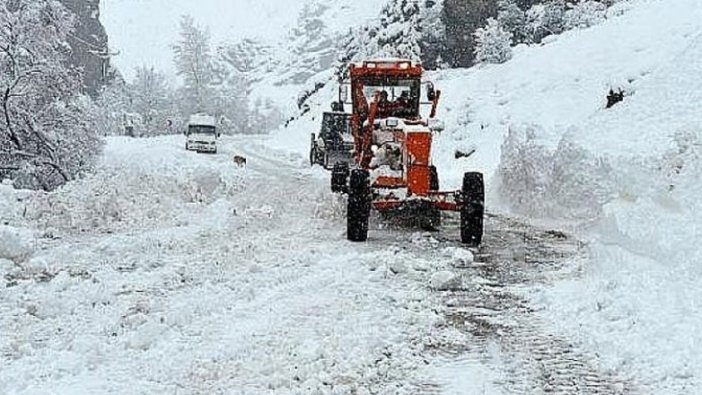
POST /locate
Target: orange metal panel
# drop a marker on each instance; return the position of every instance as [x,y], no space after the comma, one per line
[418,152]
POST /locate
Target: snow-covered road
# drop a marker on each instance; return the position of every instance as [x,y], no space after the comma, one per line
[173,272]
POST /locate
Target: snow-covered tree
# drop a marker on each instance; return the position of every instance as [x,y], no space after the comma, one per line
[512,19]
[46,132]
[397,34]
[264,117]
[545,19]
[195,65]
[113,102]
[247,58]
[150,95]
[493,43]
[242,65]
[231,102]
[584,14]
[398,37]
[524,171]
[567,182]
[461,19]
[433,35]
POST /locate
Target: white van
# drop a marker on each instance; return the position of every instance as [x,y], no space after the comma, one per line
[201,134]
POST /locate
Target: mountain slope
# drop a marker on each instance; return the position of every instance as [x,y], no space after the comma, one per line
[144,31]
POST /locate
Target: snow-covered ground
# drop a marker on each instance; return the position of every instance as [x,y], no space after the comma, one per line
[636,167]
[169,271]
[625,180]
[173,272]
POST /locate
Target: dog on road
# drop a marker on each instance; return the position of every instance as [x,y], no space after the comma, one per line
[239,161]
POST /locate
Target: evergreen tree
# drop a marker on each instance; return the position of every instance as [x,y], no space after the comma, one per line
[584,14]
[493,43]
[546,19]
[462,18]
[512,19]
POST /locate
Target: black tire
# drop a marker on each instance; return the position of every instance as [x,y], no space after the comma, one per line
[313,151]
[434,183]
[340,173]
[359,204]
[313,156]
[472,209]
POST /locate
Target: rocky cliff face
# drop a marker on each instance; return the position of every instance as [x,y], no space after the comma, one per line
[89,44]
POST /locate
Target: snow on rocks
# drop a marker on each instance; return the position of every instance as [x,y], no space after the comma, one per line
[460,257]
[16,244]
[446,280]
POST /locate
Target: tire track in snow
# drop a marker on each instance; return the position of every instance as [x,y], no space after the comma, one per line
[502,324]
[504,333]
[496,316]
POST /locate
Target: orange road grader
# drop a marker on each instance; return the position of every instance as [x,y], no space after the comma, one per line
[390,169]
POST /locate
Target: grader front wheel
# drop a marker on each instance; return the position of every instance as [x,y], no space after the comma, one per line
[359,204]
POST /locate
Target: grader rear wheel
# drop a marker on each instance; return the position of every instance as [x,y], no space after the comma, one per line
[473,209]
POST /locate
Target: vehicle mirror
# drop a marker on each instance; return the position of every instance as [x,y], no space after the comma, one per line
[344,93]
[431,92]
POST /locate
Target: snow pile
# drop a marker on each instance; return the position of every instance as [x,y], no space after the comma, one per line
[127,193]
[638,303]
[13,204]
[259,292]
[445,280]
[626,178]
[569,182]
[16,244]
[460,257]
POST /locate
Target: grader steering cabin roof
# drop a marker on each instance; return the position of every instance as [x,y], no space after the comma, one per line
[386,67]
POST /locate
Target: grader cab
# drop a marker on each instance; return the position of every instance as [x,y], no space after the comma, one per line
[391,169]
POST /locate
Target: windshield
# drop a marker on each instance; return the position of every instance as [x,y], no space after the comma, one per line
[335,124]
[398,97]
[199,129]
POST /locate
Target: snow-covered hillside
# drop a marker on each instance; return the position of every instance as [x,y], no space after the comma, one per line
[144,31]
